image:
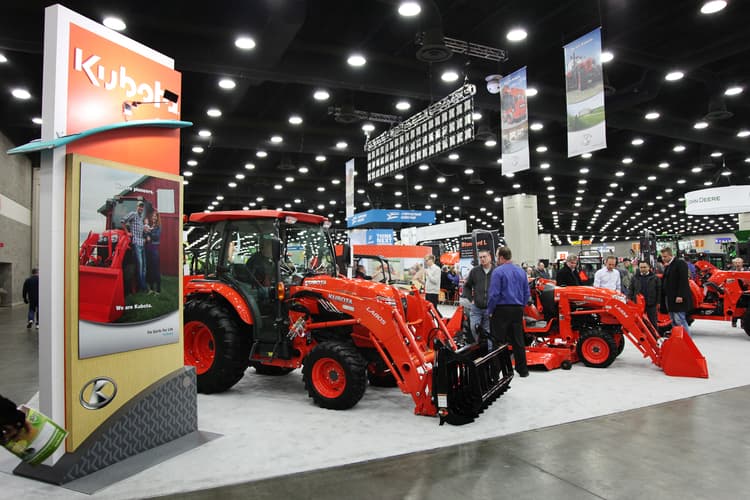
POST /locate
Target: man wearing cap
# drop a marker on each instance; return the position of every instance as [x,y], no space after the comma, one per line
[135,220]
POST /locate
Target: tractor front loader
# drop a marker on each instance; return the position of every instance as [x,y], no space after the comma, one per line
[269,297]
[580,323]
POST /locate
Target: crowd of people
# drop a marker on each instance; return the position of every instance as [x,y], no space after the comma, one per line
[145,238]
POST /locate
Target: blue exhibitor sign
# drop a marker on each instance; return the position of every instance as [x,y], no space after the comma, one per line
[385,218]
[379,237]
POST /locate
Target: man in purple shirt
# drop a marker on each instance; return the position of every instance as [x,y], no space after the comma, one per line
[508,294]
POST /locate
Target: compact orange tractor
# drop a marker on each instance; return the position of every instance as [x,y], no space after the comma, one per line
[718,295]
[269,296]
[567,324]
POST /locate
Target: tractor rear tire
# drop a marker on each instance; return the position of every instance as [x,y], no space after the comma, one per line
[746,321]
[596,348]
[215,344]
[335,375]
[269,370]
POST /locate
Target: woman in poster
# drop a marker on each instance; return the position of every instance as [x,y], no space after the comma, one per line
[152,231]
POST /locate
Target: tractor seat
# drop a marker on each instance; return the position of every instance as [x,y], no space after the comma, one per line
[549,306]
[713,287]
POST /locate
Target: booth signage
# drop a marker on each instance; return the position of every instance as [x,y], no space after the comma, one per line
[374,217]
[718,201]
[379,237]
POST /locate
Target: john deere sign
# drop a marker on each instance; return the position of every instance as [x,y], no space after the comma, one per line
[717,201]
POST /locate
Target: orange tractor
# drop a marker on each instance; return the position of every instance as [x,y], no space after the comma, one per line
[269,296]
[581,323]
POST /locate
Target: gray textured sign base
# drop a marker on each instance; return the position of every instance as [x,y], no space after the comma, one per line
[163,412]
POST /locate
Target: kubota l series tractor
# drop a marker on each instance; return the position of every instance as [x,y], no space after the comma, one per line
[269,296]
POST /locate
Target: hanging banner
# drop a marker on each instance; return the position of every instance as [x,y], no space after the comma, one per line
[584,94]
[349,188]
[718,200]
[514,121]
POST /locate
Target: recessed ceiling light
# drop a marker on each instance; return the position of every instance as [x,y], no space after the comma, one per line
[544,166]
[678,148]
[663,165]
[531,92]
[541,149]
[321,95]
[276,139]
[204,133]
[607,56]
[449,75]
[321,189]
[619,173]
[187,173]
[244,43]
[516,35]
[320,158]
[453,156]
[398,177]
[261,154]
[536,126]
[341,145]
[637,141]
[424,167]
[214,112]
[403,105]
[700,125]
[239,176]
[249,166]
[725,173]
[295,119]
[191,163]
[696,170]
[627,160]
[733,90]
[673,76]
[38,120]
[441,180]
[469,171]
[197,149]
[743,133]
[652,115]
[368,127]
[21,94]
[303,170]
[476,116]
[227,84]
[586,156]
[356,60]
[278,187]
[490,143]
[409,9]
[3,59]
[232,184]
[219,197]
[584,170]
[716,154]
[114,23]
[713,6]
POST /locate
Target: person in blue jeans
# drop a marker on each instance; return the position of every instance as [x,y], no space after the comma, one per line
[152,230]
[31,297]
[675,289]
[135,220]
[476,286]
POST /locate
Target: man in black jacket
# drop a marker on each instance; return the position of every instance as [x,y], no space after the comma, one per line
[31,297]
[475,289]
[676,298]
[567,275]
[646,283]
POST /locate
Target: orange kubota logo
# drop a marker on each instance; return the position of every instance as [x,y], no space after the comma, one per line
[110,79]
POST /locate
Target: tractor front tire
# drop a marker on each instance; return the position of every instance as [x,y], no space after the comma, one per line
[215,344]
[596,348]
[335,375]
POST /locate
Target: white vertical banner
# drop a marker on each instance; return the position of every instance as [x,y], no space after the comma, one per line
[350,188]
[584,94]
[514,122]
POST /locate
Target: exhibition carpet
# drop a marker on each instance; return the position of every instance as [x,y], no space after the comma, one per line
[270,427]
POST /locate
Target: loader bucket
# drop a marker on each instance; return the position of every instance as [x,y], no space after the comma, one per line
[100,291]
[680,357]
[467,381]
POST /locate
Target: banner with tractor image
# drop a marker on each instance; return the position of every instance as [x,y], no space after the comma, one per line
[514,122]
[128,261]
[584,94]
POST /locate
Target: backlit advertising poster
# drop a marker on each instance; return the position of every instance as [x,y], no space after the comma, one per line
[584,94]
[514,121]
[350,188]
[128,240]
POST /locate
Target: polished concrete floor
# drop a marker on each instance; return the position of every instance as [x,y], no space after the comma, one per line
[696,448]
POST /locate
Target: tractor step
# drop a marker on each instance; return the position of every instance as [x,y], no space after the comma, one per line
[467,381]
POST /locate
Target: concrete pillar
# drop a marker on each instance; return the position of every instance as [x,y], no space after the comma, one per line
[744,220]
[544,247]
[520,227]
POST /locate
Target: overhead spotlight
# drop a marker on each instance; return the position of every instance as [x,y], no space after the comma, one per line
[531,92]
[673,76]
[516,35]
[713,6]
[368,127]
[733,90]
[607,56]
[356,60]
[403,105]
[321,95]
[652,115]
[449,76]
[114,23]
[214,112]
[295,120]
[227,84]
[22,94]
[409,9]
[700,125]
[244,43]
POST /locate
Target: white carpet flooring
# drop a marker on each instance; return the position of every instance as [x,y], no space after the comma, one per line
[270,427]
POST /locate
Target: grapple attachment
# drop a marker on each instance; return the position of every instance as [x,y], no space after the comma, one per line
[680,357]
[467,381]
